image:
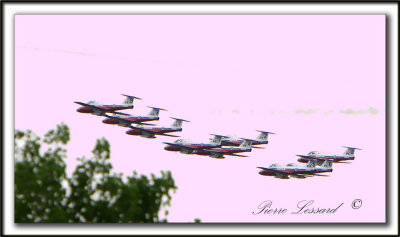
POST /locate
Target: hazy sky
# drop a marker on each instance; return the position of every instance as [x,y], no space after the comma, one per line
[317,81]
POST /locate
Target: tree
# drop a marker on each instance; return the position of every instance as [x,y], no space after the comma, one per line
[44,193]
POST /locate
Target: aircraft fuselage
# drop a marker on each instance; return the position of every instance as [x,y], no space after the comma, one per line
[238,142]
[305,159]
[227,151]
[197,146]
[155,130]
[294,171]
[133,119]
[107,108]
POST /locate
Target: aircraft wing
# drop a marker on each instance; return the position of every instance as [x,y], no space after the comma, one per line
[258,147]
[315,158]
[121,121]
[168,135]
[96,109]
[80,103]
[233,154]
[221,153]
[274,170]
[230,143]
[298,176]
[144,131]
[116,112]
[124,120]
[305,156]
[283,175]
[280,174]
[148,124]
[214,153]
[180,145]
[323,175]
[323,159]
[85,104]
[115,117]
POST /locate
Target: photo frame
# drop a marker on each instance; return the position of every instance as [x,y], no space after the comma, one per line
[256,227]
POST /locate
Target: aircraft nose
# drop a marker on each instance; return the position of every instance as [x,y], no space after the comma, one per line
[170,148]
[108,121]
[83,110]
[302,160]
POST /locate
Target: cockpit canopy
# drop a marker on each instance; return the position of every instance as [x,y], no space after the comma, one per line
[292,165]
[181,141]
[93,102]
[314,153]
[275,165]
[227,138]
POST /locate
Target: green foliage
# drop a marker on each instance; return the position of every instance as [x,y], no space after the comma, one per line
[43,192]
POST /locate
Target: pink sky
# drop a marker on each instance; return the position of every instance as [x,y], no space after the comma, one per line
[203,68]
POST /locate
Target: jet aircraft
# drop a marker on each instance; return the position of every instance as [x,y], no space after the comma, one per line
[296,171]
[189,147]
[96,108]
[227,150]
[151,132]
[261,139]
[320,157]
[125,120]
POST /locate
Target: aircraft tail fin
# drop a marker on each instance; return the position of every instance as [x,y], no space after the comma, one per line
[258,147]
[246,143]
[154,111]
[217,138]
[311,163]
[263,135]
[119,113]
[178,122]
[327,164]
[350,151]
[129,99]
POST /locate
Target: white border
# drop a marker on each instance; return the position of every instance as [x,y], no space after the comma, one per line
[10,9]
